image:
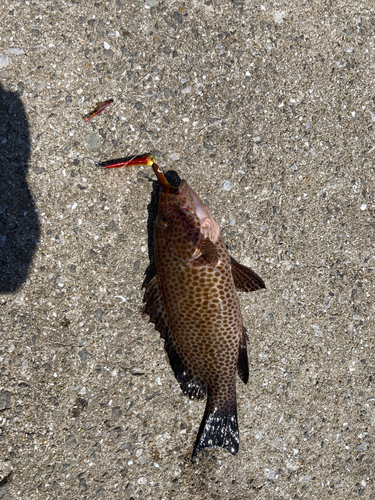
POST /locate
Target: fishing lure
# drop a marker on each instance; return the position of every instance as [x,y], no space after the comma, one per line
[100,106]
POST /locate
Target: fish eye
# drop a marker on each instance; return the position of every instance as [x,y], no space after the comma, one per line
[164,220]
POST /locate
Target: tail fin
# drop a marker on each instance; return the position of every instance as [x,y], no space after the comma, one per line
[218,428]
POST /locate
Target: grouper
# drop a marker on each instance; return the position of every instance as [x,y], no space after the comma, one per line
[194,304]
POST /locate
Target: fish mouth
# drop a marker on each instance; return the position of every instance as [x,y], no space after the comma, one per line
[167,188]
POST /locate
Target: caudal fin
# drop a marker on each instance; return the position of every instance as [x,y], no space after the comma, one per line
[218,428]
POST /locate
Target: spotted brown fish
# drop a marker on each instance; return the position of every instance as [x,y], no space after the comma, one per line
[193,302]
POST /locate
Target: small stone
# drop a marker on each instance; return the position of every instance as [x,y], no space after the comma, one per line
[99,315]
[2,240]
[226,186]
[15,50]
[175,157]
[111,227]
[167,93]
[106,45]
[304,479]
[82,483]
[363,446]
[38,170]
[177,16]
[279,18]
[100,28]
[93,142]
[70,442]
[5,470]
[138,106]
[142,480]
[363,207]
[4,61]
[5,400]
[84,354]
[186,90]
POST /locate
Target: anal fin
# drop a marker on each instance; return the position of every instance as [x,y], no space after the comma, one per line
[245,279]
[153,299]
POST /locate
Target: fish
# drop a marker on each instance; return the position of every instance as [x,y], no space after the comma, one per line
[193,302]
[100,106]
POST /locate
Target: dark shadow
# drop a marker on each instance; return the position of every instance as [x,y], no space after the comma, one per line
[174,179]
[19,226]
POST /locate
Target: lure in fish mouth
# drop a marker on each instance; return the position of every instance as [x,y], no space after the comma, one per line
[193,302]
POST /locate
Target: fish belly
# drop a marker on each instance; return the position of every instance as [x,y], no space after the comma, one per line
[204,316]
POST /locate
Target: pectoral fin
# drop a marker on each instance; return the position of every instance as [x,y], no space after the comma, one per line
[208,255]
[245,279]
[209,251]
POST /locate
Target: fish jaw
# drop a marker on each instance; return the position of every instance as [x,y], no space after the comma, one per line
[209,227]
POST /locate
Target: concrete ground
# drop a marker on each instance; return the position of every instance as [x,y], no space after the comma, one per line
[268,111]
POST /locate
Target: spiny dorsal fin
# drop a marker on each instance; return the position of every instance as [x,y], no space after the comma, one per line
[153,299]
[245,279]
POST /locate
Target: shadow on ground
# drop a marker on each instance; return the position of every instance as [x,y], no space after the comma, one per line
[152,208]
[19,226]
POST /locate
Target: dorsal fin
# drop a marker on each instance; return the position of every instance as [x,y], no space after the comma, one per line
[245,279]
[153,299]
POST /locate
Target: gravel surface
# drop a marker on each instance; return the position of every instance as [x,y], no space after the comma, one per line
[268,111]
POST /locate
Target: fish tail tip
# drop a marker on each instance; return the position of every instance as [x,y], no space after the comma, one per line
[218,429]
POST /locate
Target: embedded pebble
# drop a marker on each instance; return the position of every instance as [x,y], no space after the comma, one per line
[363,446]
[279,18]
[15,50]
[226,185]
[304,479]
[92,142]
[5,400]
[4,61]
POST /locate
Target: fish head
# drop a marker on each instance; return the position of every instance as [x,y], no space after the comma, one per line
[183,220]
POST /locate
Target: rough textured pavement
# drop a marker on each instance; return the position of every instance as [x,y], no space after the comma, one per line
[268,111]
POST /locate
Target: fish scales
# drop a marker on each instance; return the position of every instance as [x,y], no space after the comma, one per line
[198,312]
[193,302]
